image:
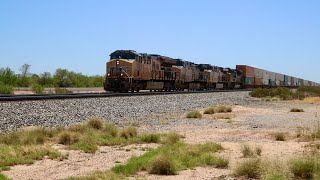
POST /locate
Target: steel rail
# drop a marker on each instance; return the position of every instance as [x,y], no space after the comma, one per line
[30,97]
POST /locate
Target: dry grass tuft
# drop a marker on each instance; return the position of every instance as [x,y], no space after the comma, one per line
[95,123]
[163,165]
[194,114]
[129,132]
[279,136]
[248,152]
[250,168]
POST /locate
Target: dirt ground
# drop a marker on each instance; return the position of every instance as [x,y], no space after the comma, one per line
[245,125]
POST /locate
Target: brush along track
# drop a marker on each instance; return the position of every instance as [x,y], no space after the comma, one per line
[97,95]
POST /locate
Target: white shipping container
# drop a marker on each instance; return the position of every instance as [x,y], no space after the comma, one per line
[259,73]
[272,76]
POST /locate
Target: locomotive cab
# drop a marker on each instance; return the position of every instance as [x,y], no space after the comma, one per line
[119,70]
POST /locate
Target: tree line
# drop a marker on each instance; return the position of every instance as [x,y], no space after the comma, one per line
[60,78]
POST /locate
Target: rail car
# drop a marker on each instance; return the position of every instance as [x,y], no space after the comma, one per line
[128,70]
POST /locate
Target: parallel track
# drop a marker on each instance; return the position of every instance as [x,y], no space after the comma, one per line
[30,97]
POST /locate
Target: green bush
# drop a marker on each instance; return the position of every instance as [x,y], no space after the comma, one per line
[194,114]
[6,89]
[37,89]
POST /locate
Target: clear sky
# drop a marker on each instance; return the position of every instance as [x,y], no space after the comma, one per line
[278,35]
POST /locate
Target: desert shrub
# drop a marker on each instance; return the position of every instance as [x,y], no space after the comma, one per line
[296,110]
[95,123]
[37,88]
[279,136]
[210,110]
[5,89]
[150,138]
[260,93]
[163,165]
[223,109]
[304,167]
[250,168]
[129,132]
[171,138]
[194,114]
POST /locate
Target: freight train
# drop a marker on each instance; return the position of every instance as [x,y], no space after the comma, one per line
[128,70]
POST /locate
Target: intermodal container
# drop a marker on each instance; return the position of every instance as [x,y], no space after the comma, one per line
[247,71]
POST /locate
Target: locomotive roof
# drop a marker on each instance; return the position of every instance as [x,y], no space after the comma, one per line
[125,51]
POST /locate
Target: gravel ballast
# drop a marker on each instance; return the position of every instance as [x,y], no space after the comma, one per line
[156,113]
[53,113]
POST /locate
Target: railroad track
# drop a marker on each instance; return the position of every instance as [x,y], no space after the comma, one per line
[29,97]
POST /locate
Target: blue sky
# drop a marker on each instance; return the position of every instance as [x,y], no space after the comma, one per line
[278,35]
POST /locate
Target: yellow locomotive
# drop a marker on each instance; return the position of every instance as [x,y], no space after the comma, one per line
[128,70]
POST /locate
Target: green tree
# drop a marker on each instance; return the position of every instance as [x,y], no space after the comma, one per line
[8,77]
[62,78]
[24,79]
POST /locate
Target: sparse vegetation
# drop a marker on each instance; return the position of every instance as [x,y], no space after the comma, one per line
[250,168]
[279,136]
[169,158]
[26,146]
[296,110]
[285,93]
[194,114]
[248,152]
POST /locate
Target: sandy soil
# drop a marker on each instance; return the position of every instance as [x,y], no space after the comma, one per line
[231,137]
